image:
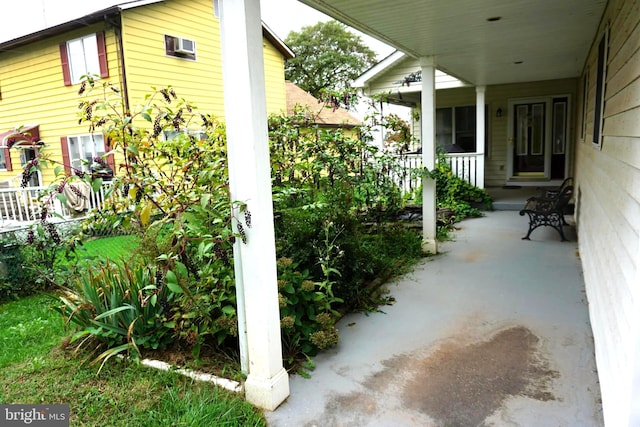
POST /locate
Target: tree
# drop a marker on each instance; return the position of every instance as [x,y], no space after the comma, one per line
[328,57]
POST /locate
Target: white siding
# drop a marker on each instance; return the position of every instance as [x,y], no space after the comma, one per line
[608,213]
[391,80]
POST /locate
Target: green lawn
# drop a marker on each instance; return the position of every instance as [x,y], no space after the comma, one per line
[37,369]
[112,248]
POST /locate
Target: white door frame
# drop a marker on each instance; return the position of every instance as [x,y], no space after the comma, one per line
[548,101]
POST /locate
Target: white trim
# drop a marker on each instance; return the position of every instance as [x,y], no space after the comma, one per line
[137,3]
[378,68]
[480,133]
[282,44]
[546,176]
[84,166]
[86,55]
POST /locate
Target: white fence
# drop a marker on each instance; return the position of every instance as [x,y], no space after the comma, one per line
[468,166]
[22,206]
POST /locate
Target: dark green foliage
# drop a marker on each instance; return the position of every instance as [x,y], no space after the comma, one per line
[37,264]
[333,197]
[327,181]
[305,310]
[328,57]
[452,192]
[15,278]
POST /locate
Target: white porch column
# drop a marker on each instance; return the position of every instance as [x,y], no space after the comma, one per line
[429,232]
[480,133]
[267,383]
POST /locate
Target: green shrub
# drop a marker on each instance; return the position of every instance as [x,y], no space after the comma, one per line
[333,193]
[15,279]
[305,311]
[326,177]
[453,192]
[205,310]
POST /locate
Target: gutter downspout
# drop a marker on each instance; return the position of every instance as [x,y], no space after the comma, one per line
[117,27]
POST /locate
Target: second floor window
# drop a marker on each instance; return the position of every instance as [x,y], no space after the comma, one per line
[84,55]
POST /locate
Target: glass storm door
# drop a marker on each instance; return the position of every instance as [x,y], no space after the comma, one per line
[538,138]
[529,139]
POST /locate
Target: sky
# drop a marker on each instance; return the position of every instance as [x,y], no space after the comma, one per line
[282,16]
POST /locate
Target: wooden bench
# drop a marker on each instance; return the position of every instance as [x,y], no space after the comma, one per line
[549,209]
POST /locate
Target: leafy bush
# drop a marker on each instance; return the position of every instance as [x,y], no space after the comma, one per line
[305,312]
[453,192]
[15,279]
[333,177]
[311,165]
[35,262]
[205,310]
[332,194]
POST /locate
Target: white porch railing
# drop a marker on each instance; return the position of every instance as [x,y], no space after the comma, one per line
[20,207]
[468,167]
[464,165]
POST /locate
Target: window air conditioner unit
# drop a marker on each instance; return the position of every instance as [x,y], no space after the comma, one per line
[185,46]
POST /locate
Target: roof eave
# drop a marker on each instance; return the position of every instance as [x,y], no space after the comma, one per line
[379,68]
[61,28]
[268,34]
[80,22]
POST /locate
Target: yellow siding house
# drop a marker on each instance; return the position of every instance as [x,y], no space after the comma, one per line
[134,45]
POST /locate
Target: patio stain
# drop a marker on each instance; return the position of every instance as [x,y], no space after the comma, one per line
[458,384]
[472,256]
[463,385]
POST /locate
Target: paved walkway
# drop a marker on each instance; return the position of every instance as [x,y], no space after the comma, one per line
[492,332]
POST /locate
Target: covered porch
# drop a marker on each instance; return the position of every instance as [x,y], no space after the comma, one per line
[494,332]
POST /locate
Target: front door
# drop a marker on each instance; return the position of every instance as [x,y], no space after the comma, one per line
[537,138]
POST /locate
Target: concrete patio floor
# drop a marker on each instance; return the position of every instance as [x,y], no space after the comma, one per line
[494,331]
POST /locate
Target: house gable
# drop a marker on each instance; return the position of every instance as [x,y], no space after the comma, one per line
[393,77]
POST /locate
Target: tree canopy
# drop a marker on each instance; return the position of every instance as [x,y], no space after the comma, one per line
[328,57]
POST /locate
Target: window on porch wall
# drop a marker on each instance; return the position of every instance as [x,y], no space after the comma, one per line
[456,129]
[601,74]
[3,161]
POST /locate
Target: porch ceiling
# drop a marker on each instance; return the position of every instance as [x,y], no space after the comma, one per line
[533,39]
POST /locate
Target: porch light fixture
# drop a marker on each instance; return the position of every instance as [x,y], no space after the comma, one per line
[499,112]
